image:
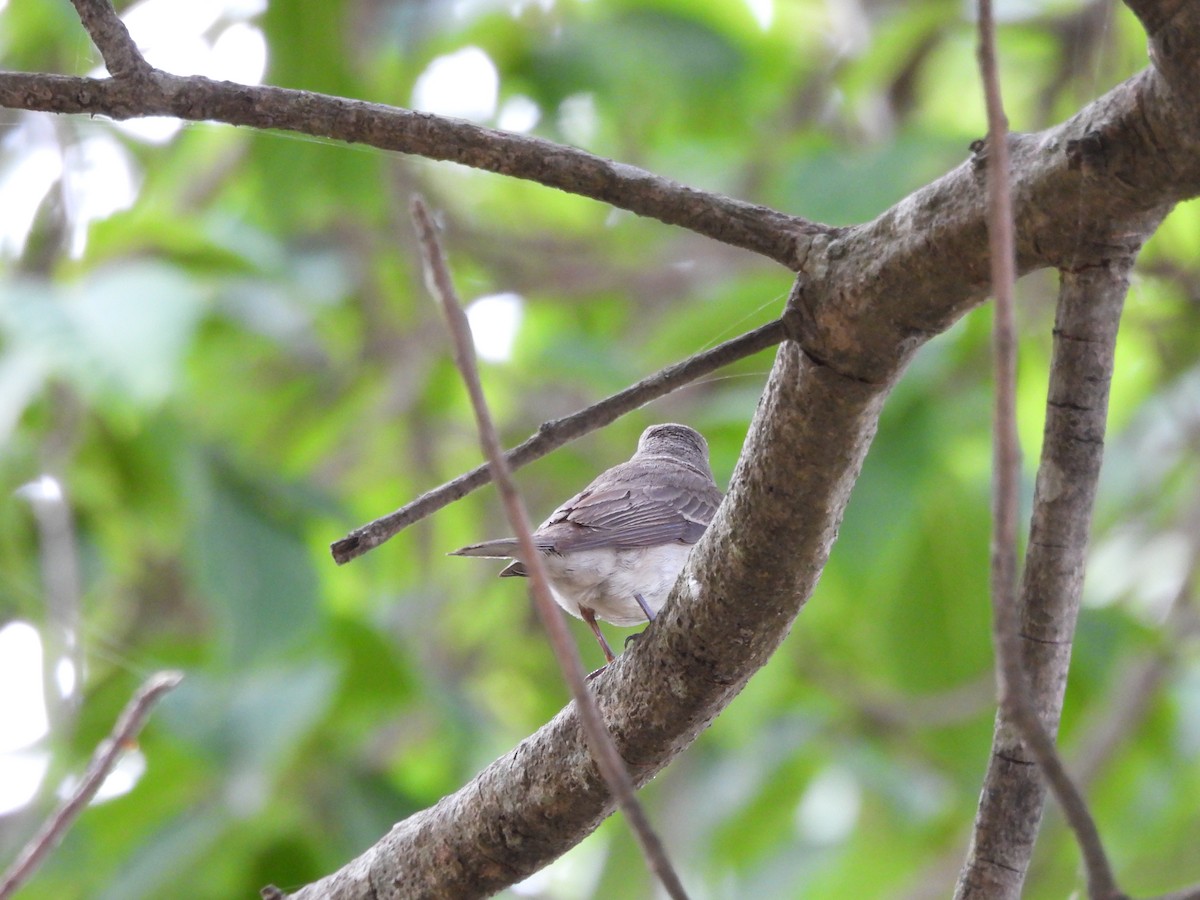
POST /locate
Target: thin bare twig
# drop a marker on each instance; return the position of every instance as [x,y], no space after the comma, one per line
[1006,448]
[751,226]
[1014,690]
[107,754]
[552,435]
[604,750]
[138,89]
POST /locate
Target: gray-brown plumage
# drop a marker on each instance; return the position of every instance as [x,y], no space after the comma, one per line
[614,550]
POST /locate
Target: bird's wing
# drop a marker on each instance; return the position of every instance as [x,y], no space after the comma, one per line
[612,517]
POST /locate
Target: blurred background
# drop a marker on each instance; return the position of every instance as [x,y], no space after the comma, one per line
[217,357]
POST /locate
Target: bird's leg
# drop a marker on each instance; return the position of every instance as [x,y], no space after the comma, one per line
[649,617]
[645,607]
[589,616]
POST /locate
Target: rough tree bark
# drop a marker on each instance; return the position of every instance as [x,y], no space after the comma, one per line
[865,299]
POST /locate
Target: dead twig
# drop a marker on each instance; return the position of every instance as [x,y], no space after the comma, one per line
[107,754]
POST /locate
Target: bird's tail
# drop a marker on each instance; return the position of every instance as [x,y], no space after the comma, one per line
[504,548]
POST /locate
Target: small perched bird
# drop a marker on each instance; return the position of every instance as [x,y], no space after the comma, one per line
[614,550]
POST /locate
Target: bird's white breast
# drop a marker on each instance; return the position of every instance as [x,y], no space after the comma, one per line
[606,580]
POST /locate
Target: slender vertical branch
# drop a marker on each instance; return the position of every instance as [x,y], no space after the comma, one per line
[1006,457]
[604,750]
[129,723]
[1031,705]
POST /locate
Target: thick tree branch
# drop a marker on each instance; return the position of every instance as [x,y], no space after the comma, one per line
[1174,43]
[925,260]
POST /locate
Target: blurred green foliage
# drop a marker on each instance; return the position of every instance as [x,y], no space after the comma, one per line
[243,365]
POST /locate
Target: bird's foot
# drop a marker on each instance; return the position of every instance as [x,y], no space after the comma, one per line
[633,639]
